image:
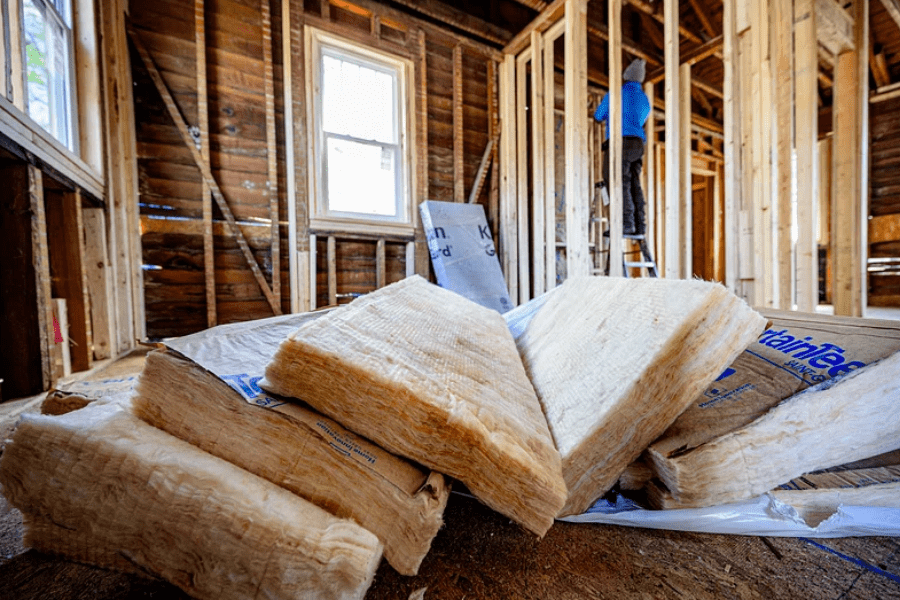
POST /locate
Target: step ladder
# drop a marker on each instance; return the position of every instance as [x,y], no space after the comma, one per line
[643,252]
[645,259]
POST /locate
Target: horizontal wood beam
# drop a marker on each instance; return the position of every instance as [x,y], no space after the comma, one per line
[887,95]
[550,15]
[651,10]
[386,15]
[459,19]
[893,9]
[46,151]
[702,15]
[537,5]
[692,57]
[700,123]
[602,32]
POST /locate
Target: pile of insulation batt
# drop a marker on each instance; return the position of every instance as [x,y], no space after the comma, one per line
[285,457]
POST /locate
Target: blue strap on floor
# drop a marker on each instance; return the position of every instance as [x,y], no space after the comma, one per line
[855,561]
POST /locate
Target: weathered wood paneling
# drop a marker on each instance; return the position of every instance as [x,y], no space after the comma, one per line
[884,204]
[171,186]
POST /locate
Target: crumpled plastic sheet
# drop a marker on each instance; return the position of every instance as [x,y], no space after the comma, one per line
[763,516]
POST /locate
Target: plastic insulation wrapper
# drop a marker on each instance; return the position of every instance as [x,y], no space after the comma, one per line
[763,515]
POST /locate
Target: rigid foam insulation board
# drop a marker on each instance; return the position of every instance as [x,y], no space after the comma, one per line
[99,486]
[463,254]
[614,362]
[219,408]
[434,377]
[795,352]
[840,420]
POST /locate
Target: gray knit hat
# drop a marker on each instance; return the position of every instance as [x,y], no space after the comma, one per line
[635,71]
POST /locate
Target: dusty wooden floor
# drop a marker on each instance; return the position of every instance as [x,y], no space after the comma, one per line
[481,555]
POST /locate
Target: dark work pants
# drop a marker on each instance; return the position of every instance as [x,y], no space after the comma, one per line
[632,194]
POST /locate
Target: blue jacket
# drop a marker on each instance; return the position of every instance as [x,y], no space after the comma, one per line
[635,110]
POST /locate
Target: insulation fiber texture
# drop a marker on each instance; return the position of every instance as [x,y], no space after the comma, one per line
[99,486]
[300,450]
[614,362]
[838,421]
[434,377]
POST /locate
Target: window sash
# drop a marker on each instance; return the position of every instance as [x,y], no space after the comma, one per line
[319,45]
[58,68]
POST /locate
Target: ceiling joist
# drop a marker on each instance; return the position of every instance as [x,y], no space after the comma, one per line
[699,53]
[893,8]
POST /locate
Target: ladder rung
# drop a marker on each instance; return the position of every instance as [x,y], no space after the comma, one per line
[640,264]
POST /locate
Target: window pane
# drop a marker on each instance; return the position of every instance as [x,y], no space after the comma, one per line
[357,100]
[64,10]
[47,42]
[361,178]
[37,63]
[60,78]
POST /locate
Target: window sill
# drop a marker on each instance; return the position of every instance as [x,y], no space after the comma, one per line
[373,228]
[25,132]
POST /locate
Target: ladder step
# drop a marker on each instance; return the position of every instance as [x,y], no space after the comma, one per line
[640,264]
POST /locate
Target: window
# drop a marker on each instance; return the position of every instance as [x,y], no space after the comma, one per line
[47,37]
[360,154]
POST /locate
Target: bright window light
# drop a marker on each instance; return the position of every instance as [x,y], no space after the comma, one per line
[48,41]
[360,121]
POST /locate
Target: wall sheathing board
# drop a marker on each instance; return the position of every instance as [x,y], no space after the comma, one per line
[171,185]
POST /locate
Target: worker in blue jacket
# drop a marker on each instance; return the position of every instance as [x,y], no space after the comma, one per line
[635,110]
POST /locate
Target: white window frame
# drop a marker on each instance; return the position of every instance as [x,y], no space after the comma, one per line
[71,142]
[321,218]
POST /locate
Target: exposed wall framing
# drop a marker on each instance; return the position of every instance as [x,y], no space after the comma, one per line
[257,94]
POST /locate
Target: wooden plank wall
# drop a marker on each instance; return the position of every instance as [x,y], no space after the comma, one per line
[171,189]
[884,204]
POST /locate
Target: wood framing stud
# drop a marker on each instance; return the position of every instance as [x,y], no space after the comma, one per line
[673,161]
[204,167]
[806,119]
[524,264]
[549,121]
[332,271]
[578,258]
[614,184]
[209,266]
[459,185]
[538,156]
[380,265]
[782,24]
[508,176]
[271,150]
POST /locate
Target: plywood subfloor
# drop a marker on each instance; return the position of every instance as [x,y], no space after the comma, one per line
[480,554]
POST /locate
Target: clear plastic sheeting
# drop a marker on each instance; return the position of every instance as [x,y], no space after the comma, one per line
[764,515]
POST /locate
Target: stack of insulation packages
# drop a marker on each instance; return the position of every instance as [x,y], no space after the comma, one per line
[282,458]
